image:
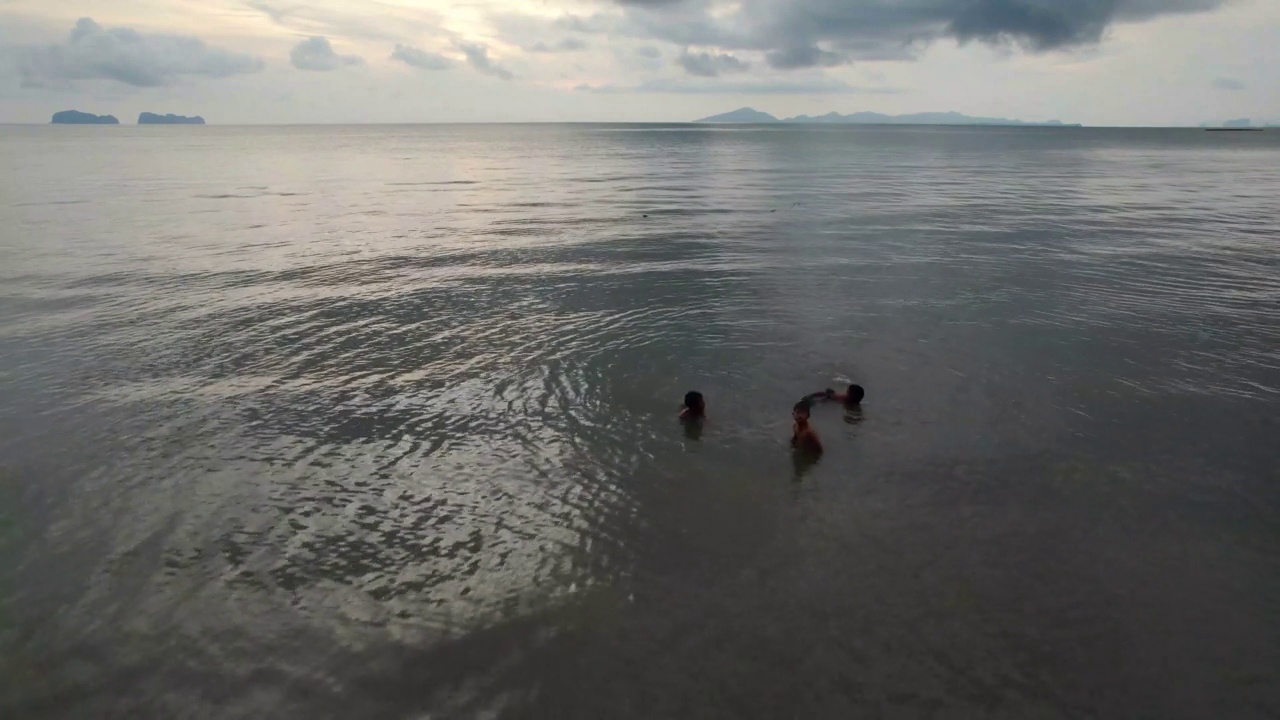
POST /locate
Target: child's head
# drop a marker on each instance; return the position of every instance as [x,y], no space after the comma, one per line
[855,394]
[800,413]
[694,401]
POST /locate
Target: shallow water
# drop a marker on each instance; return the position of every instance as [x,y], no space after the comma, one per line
[380,422]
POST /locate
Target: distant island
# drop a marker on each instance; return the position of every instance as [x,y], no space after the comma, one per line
[147,118]
[741,115]
[1236,124]
[75,117]
[750,115]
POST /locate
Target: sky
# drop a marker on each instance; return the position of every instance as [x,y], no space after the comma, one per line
[1097,62]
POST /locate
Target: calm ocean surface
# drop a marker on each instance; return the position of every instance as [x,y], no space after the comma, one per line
[379,422]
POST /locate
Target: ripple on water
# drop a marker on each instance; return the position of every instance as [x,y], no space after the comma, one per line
[322,408]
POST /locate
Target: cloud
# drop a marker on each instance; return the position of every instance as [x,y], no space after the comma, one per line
[1226,83]
[803,57]
[597,23]
[279,14]
[569,44]
[818,86]
[421,59]
[127,56]
[822,33]
[478,58]
[316,54]
[350,20]
[649,52]
[710,65]
[539,34]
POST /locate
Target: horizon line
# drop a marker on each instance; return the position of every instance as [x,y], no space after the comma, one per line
[1027,125]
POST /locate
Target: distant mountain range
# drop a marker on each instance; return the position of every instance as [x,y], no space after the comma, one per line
[750,115]
[741,115]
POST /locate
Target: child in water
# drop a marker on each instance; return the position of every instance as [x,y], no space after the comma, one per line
[803,436]
[851,398]
[695,406]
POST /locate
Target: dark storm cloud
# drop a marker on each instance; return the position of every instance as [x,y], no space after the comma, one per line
[803,57]
[420,59]
[817,33]
[478,58]
[1041,24]
[93,52]
[1225,83]
[317,54]
[710,64]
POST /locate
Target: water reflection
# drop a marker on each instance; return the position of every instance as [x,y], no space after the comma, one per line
[692,428]
[803,462]
[376,422]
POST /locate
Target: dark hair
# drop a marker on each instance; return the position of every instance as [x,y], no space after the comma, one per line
[856,393]
[693,399]
[803,406]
